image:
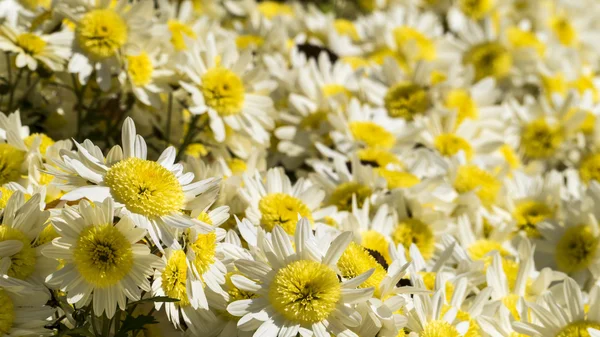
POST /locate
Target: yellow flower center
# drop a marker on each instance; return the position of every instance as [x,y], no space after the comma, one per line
[576,249]
[372,135]
[205,248]
[280,209]
[103,255]
[519,38]
[271,9]
[139,69]
[46,236]
[415,231]
[145,187]
[377,157]
[33,5]
[5,195]
[247,41]
[463,316]
[449,144]
[45,141]
[540,140]
[342,195]
[101,33]
[510,156]
[439,328]
[590,168]
[460,100]
[174,278]
[223,91]
[305,292]
[7,313]
[196,150]
[472,178]
[346,28]
[529,213]
[429,282]
[375,241]
[481,249]
[564,30]
[379,55]
[331,90]
[31,43]
[476,9]
[414,44]
[398,179]
[489,59]
[578,329]
[204,217]
[178,30]
[406,100]
[235,294]
[589,123]
[355,62]
[11,160]
[356,260]
[510,301]
[23,262]
[237,166]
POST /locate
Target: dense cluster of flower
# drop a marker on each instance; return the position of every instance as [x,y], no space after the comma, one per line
[369,168]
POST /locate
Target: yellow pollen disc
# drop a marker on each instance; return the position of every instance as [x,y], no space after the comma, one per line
[22,263]
[555,84]
[519,38]
[139,69]
[356,260]
[355,62]
[332,90]
[379,55]
[528,213]
[174,278]
[481,249]
[247,41]
[178,30]
[101,33]
[476,9]
[590,168]
[102,255]
[406,100]
[510,301]
[5,195]
[415,231]
[375,241]
[463,316]
[223,91]
[33,5]
[414,44]
[145,187]
[576,249]
[510,156]
[578,329]
[7,313]
[398,179]
[11,160]
[429,282]
[564,30]
[204,217]
[539,140]
[237,166]
[235,294]
[305,292]
[472,178]
[346,28]
[449,144]
[489,59]
[589,123]
[372,135]
[439,328]
[377,157]
[460,100]
[45,141]
[196,150]
[46,236]
[205,248]
[31,43]
[342,195]
[271,9]
[280,209]
[585,83]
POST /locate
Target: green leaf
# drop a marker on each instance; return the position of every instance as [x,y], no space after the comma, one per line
[132,323]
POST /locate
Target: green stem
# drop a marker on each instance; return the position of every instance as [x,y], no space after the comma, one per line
[24,97]
[9,67]
[117,320]
[14,88]
[169,117]
[106,323]
[80,93]
[94,326]
[189,136]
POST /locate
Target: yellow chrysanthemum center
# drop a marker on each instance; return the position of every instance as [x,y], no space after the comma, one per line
[463,316]
[489,59]
[139,69]
[564,30]
[247,41]
[481,249]
[476,9]
[528,213]
[223,91]
[305,292]
[178,30]
[346,28]
[46,236]
[280,209]
[11,160]
[415,231]
[375,241]
[472,178]
[196,150]
[333,89]
[398,179]
[429,282]
[377,157]
[5,194]
[406,100]
[31,43]
[510,156]
[372,134]
[145,187]
[519,38]
[578,329]
[439,328]
[235,294]
[356,260]
[45,141]
[102,255]
[355,62]
[540,140]
[414,44]
[379,56]
[237,166]
[590,168]
[7,313]
[449,144]
[342,195]
[271,9]
[510,301]
[22,264]
[205,248]
[174,278]
[576,249]
[34,5]
[204,217]
[101,33]
[460,100]
[589,123]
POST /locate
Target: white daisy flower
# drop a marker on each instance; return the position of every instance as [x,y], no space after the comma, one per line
[427,317]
